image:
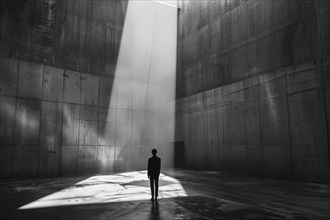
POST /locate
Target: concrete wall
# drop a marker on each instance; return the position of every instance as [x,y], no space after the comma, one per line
[83,36]
[58,60]
[63,108]
[253,87]
[60,122]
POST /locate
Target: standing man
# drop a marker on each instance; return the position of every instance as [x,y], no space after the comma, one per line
[153,173]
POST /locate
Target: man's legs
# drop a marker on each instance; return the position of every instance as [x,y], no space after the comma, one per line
[152,180]
[156,185]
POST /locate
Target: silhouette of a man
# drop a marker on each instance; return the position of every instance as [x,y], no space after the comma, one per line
[153,173]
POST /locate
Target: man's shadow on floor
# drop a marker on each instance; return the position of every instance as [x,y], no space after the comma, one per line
[154,212]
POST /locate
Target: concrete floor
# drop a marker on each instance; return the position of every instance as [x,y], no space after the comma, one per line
[183,195]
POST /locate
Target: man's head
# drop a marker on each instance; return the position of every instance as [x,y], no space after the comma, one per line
[154,152]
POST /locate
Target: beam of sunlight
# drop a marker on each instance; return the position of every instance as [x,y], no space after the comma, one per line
[141,105]
[121,187]
[143,90]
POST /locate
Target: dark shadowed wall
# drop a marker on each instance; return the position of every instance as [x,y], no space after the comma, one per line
[77,35]
[253,85]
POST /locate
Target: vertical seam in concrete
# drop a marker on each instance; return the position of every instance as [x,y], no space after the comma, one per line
[245,132]
[81,88]
[217,132]
[79,106]
[289,127]
[113,31]
[97,125]
[62,120]
[206,131]
[195,139]
[115,141]
[14,127]
[223,132]
[105,24]
[82,30]
[260,130]
[29,33]
[247,73]
[131,151]
[40,118]
[183,92]
[326,110]
[117,47]
[84,104]
[245,7]
[72,24]
[178,71]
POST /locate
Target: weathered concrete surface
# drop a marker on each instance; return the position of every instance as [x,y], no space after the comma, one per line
[50,138]
[63,109]
[57,62]
[182,195]
[245,38]
[77,35]
[261,127]
[263,67]
[55,123]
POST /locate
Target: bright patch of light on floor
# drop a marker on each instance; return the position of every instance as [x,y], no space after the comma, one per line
[100,189]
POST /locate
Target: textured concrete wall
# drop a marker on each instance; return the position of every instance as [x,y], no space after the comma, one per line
[78,35]
[53,122]
[58,60]
[63,108]
[253,87]
[61,122]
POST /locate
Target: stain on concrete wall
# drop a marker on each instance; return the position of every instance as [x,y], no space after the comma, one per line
[253,87]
